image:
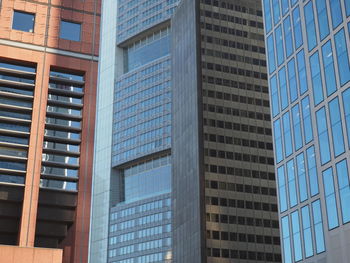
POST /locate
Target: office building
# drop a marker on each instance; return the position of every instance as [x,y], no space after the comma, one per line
[48,75]
[131,219]
[308,64]
[224,189]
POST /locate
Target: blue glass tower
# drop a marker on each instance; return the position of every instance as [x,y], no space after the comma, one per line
[131,220]
[309,79]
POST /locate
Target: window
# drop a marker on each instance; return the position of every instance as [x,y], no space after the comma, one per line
[329,194]
[323,138]
[298,34]
[70,31]
[322,18]
[292,81]
[328,67]
[310,25]
[293,199]
[23,21]
[276,11]
[301,177]
[298,140]
[282,191]
[274,96]
[346,99]
[298,254]
[342,55]
[316,78]
[267,15]
[278,141]
[286,240]
[318,226]
[344,189]
[279,45]
[336,127]
[308,133]
[302,72]
[271,53]
[283,88]
[287,135]
[337,16]
[312,171]
[288,36]
[347,7]
[285,6]
[308,243]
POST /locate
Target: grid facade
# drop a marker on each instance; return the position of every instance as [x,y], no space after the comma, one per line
[309,73]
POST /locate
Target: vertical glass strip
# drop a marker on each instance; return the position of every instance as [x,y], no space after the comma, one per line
[288,148]
[329,194]
[336,127]
[307,233]
[283,88]
[312,171]
[298,138]
[287,28]
[267,16]
[274,96]
[323,138]
[316,78]
[301,177]
[344,189]
[276,11]
[307,122]
[298,254]
[286,240]
[347,7]
[328,68]
[292,188]
[342,57]
[310,25]
[285,6]
[271,53]
[346,105]
[337,15]
[278,140]
[292,81]
[282,189]
[322,16]
[318,226]
[279,45]
[302,72]
[298,34]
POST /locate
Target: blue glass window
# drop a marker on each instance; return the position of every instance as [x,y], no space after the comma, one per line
[302,177]
[298,139]
[337,16]
[298,254]
[318,226]
[310,25]
[322,18]
[292,79]
[346,99]
[287,28]
[323,138]
[271,53]
[302,72]
[274,96]
[267,16]
[337,127]
[347,7]
[278,140]
[312,171]
[342,55]
[287,248]
[279,45]
[285,7]
[331,203]
[344,189]
[288,149]
[308,243]
[70,30]
[298,34]
[328,67]
[316,78]
[283,88]
[282,189]
[292,187]
[308,133]
[23,21]
[276,11]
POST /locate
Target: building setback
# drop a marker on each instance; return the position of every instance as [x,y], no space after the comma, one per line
[48,76]
[224,189]
[309,79]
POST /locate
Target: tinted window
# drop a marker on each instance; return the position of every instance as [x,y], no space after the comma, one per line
[23,21]
[70,31]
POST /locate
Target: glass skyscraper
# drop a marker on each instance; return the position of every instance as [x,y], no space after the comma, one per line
[309,80]
[131,209]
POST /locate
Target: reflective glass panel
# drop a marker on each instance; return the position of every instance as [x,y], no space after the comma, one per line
[346,104]
[274,96]
[318,226]
[288,149]
[282,190]
[292,81]
[298,139]
[267,16]
[336,126]
[285,6]
[308,133]
[316,78]
[307,233]
[322,18]
[331,203]
[312,171]
[344,189]
[278,140]
[342,56]
[287,28]
[298,254]
[328,68]
[337,16]
[323,138]
[70,30]
[302,72]
[276,11]
[23,21]
[283,88]
[279,45]
[271,53]
[298,34]
[310,25]
[292,188]
[287,249]
[302,177]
